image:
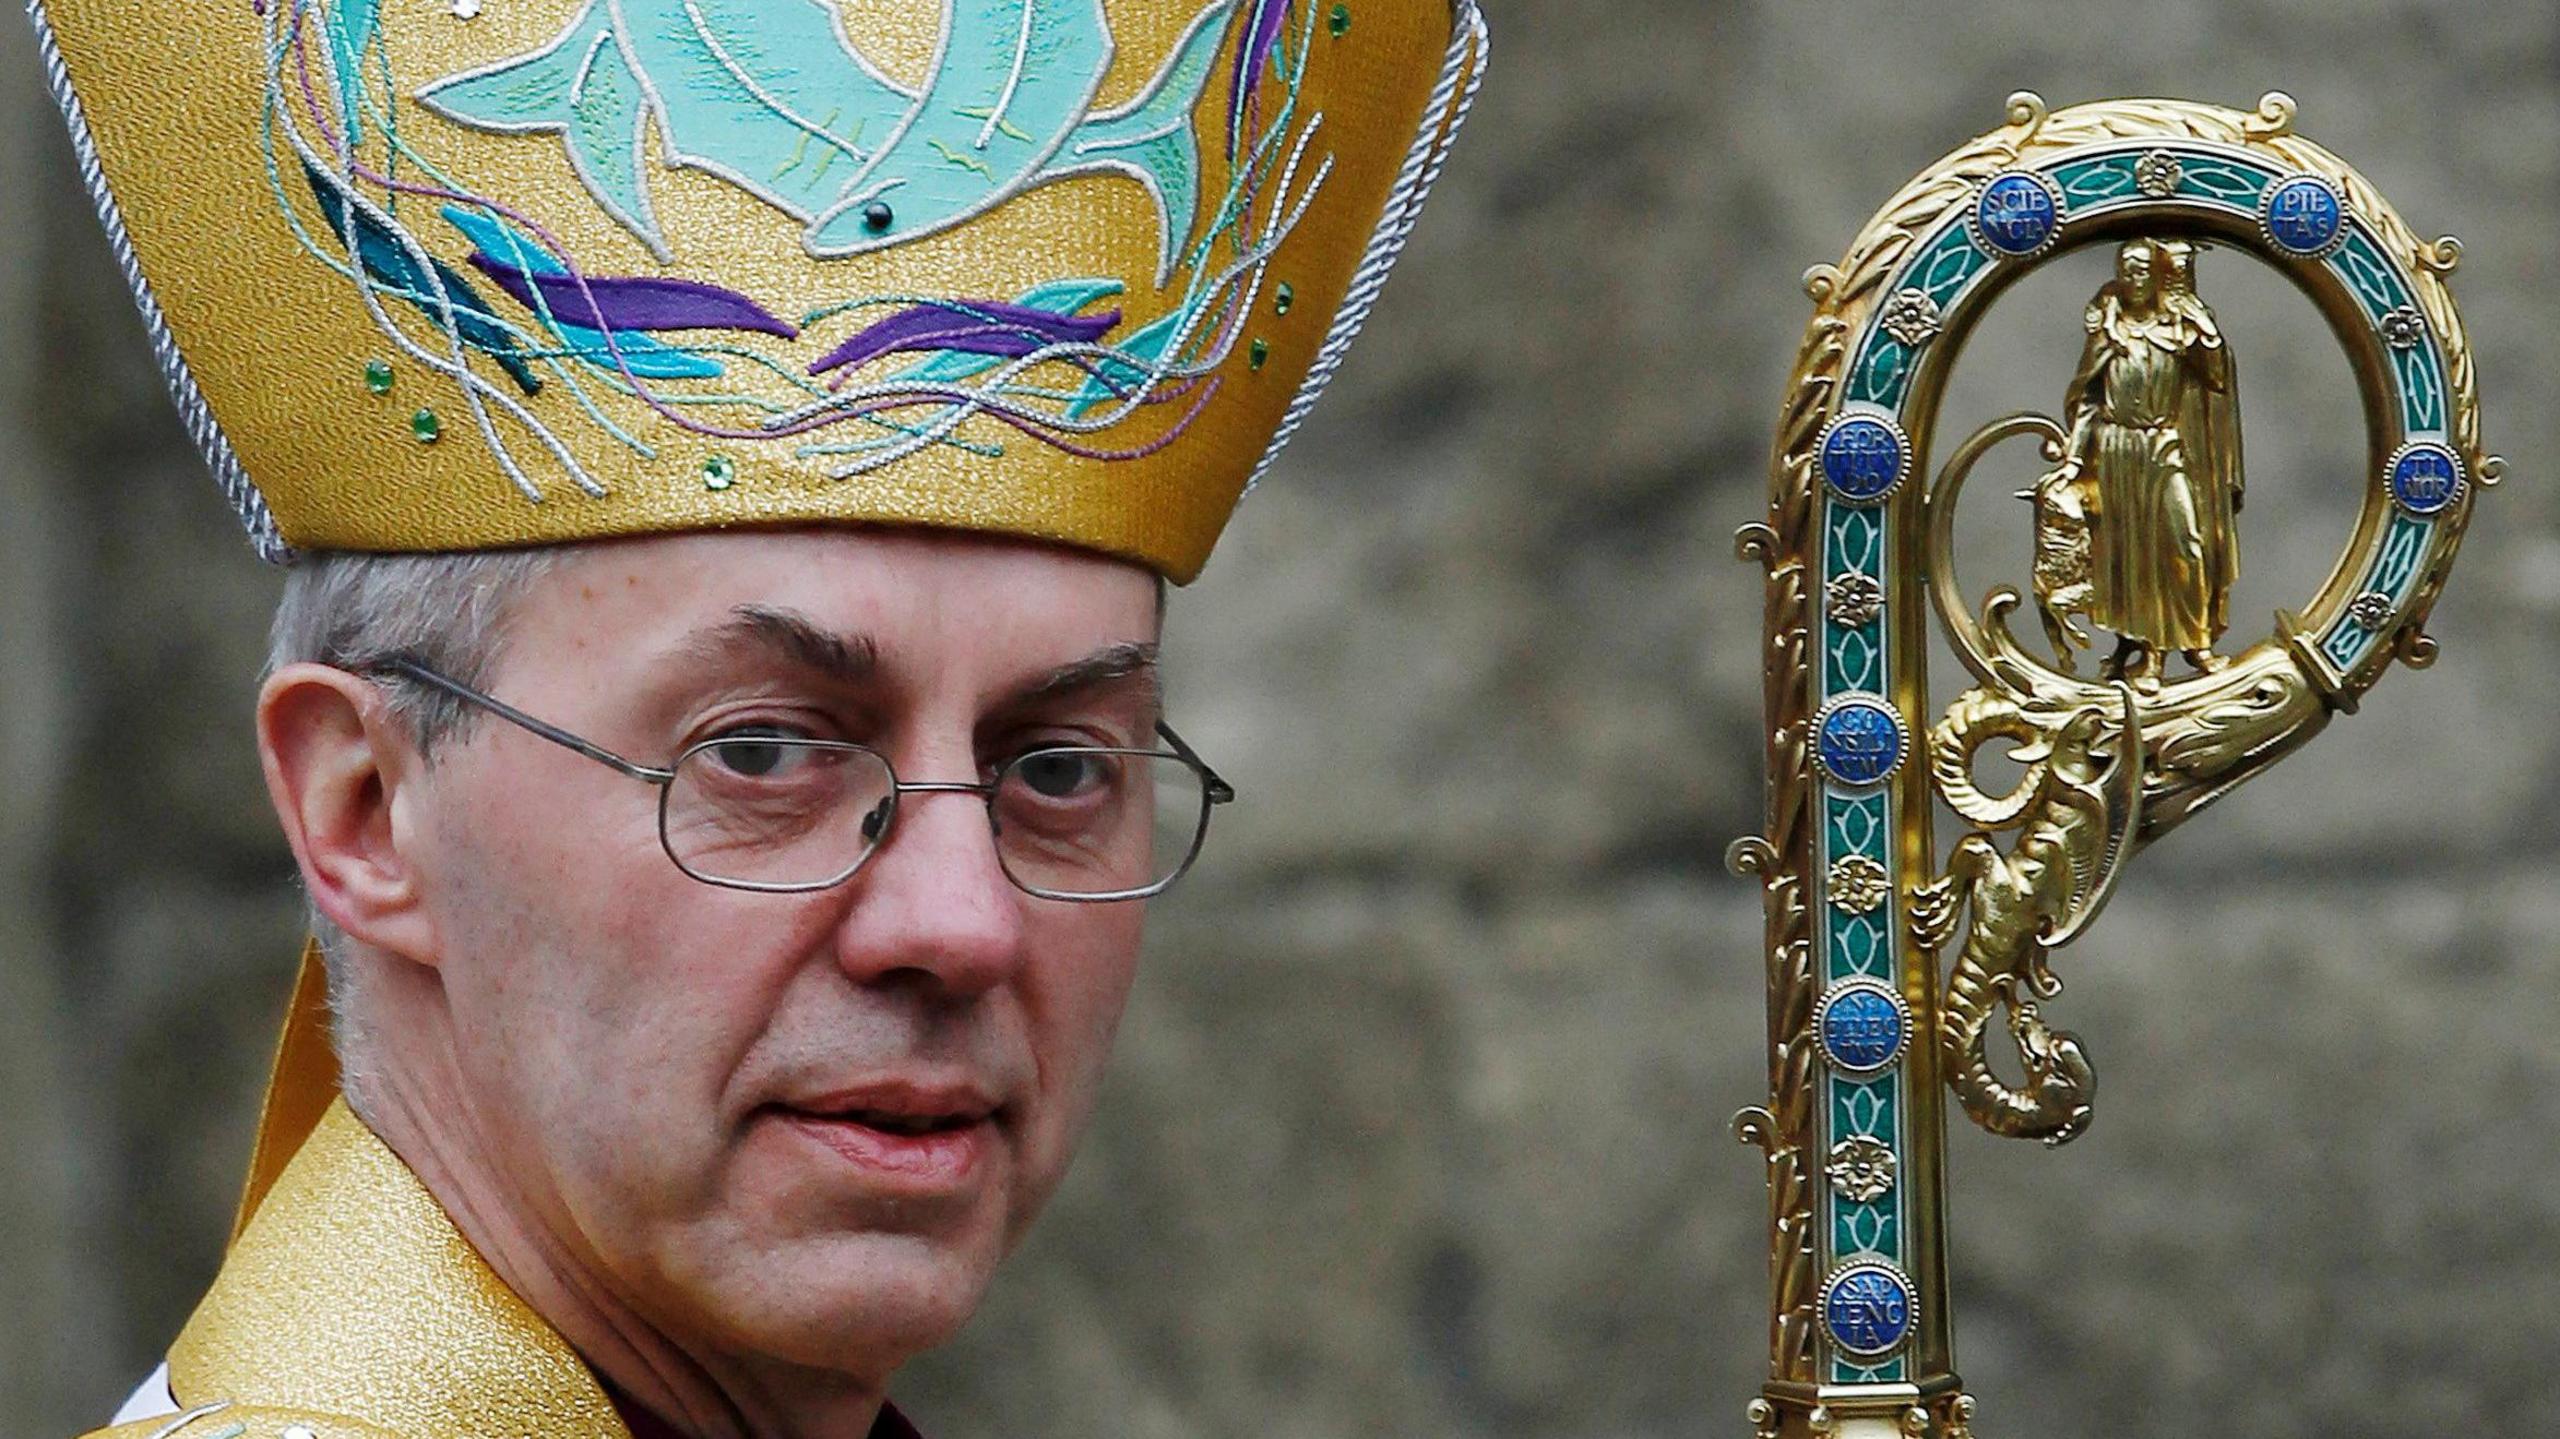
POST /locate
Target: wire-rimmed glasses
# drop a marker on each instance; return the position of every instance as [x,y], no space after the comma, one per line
[785,814]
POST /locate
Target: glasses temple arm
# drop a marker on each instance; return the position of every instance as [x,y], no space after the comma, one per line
[1220,792]
[411,669]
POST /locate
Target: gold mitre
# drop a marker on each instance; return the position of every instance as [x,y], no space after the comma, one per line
[452,274]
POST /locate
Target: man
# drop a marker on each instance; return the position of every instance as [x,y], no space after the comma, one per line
[730,457]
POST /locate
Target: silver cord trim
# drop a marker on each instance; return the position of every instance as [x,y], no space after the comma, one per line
[193,412]
[201,1411]
[1442,114]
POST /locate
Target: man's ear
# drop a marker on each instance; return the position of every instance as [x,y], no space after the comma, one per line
[335,760]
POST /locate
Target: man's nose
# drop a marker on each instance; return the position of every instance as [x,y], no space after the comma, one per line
[933,901]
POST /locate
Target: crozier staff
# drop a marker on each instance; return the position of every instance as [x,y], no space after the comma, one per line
[730,459]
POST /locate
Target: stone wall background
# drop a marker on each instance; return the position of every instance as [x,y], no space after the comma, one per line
[1419,1123]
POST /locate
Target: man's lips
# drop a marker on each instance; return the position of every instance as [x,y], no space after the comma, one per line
[918,1139]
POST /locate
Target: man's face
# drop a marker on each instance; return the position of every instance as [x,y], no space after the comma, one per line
[702,1092]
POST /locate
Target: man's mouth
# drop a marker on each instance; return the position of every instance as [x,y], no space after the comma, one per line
[892,1122]
[915,1140]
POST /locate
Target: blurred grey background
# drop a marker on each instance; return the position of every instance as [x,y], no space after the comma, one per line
[1419,1124]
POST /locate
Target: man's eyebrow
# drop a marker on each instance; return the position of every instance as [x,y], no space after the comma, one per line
[1126,660]
[794,637]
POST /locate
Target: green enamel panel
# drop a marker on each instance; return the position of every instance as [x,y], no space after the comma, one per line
[2403,546]
[1889,1372]
[2086,182]
[1857,536]
[1856,540]
[1857,943]
[2379,286]
[1858,948]
[1942,269]
[1878,374]
[2374,280]
[1864,1229]
[2421,388]
[1856,825]
[1864,1106]
[1853,657]
[2213,177]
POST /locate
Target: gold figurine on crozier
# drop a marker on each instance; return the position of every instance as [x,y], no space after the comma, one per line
[2135,527]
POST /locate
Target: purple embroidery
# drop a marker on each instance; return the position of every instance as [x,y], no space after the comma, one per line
[1261,33]
[636,302]
[980,327]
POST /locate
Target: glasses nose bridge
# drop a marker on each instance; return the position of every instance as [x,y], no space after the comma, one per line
[893,803]
[942,786]
[899,789]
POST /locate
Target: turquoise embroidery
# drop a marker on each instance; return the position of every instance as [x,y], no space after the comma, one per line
[351,30]
[751,94]
[646,356]
[772,97]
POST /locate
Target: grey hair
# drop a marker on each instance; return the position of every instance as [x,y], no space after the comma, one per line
[449,612]
[355,611]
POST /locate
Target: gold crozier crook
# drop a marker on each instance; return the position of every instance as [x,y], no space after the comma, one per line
[1893,967]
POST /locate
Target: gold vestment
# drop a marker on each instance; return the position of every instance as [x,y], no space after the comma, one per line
[351,1308]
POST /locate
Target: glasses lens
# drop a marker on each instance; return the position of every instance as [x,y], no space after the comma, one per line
[775,811]
[1097,821]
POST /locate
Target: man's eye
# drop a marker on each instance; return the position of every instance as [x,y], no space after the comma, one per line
[757,751]
[1060,775]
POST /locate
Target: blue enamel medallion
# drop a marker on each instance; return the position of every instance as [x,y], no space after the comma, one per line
[2016,215]
[2303,216]
[1858,740]
[1863,457]
[1867,1308]
[2425,478]
[1863,1026]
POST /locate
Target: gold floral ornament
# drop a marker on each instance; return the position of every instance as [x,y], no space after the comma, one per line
[2404,328]
[1857,884]
[2157,173]
[1853,598]
[997,265]
[1911,317]
[1862,1169]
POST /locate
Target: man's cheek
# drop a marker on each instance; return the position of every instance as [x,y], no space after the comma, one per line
[1076,1015]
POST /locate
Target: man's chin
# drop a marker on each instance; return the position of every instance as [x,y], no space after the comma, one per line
[859,1303]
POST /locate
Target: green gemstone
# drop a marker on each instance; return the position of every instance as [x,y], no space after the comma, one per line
[719,472]
[426,427]
[1339,22]
[1283,298]
[377,376]
[1257,352]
